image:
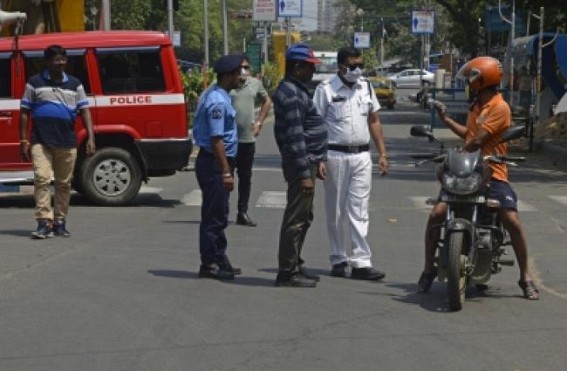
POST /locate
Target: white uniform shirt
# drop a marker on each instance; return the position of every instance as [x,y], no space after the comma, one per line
[345,110]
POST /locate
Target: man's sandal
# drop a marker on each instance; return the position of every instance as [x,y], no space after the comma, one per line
[529,290]
[426,280]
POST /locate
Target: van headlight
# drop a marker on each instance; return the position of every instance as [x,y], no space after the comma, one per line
[461,186]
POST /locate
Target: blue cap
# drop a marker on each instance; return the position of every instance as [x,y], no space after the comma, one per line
[228,63]
[301,52]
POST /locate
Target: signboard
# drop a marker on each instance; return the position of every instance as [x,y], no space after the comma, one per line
[422,21]
[254,54]
[290,8]
[362,40]
[493,22]
[264,10]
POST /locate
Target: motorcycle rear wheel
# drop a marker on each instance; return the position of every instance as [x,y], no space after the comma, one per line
[456,279]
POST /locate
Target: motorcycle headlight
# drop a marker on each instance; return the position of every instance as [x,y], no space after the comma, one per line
[461,186]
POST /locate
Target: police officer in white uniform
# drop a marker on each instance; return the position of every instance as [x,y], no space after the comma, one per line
[349,107]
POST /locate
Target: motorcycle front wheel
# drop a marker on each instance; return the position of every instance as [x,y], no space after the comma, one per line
[456,279]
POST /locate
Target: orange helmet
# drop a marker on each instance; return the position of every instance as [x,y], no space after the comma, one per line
[481,72]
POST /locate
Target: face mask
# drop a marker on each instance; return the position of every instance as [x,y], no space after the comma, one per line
[352,76]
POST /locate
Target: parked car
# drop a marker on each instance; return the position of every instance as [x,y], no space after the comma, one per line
[413,78]
[385,91]
[187,66]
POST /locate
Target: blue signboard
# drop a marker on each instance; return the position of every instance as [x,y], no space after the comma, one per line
[494,23]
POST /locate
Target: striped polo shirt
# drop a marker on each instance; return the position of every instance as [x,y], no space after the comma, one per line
[53,108]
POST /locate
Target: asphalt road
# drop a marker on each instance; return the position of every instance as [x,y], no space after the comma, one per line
[123,293]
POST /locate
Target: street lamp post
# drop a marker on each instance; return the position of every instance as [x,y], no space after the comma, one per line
[206,33]
[360,13]
[106,15]
[224,27]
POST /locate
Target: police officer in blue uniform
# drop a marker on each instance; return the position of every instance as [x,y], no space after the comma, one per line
[214,130]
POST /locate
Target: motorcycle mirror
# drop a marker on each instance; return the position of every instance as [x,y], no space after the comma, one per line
[513,133]
[420,131]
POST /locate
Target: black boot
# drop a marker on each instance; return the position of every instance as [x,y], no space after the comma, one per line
[244,219]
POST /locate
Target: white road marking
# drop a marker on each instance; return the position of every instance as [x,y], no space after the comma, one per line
[146,189]
[560,199]
[193,198]
[272,199]
[419,202]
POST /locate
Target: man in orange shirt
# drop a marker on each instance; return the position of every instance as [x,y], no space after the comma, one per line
[489,116]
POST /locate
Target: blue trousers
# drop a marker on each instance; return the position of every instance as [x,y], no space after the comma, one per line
[214,208]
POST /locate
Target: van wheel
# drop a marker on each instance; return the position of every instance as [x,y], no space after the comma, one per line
[111,177]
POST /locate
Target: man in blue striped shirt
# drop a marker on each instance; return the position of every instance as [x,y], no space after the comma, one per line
[301,136]
[53,99]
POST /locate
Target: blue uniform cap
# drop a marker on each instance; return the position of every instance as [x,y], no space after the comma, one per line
[301,52]
[228,63]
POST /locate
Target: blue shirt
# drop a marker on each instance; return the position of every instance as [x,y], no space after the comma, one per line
[53,106]
[215,117]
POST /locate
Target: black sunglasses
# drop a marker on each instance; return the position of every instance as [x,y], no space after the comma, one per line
[245,67]
[353,67]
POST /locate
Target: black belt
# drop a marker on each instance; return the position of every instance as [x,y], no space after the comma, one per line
[349,149]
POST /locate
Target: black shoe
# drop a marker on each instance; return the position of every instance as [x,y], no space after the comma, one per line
[367,273]
[59,228]
[426,280]
[244,219]
[43,230]
[216,272]
[227,265]
[339,270]
[310,276]
[286,279]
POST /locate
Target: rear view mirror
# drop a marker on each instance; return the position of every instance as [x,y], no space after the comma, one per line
[420,131]
[513,133]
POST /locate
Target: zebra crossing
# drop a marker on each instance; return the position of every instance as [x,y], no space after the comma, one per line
[277,200]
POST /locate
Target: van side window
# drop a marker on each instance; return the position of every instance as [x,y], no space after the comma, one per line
[5,76]
[76,66]
[131,70]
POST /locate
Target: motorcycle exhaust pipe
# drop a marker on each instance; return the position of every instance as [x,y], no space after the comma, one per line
[507,262]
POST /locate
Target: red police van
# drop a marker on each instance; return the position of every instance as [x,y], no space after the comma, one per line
[136,101]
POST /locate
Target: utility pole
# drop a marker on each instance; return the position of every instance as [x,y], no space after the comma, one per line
[224,27]
[512,37]
[170,19]
[382,45]
[206,34]
[106,15]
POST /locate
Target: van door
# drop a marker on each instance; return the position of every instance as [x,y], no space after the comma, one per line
[9,117]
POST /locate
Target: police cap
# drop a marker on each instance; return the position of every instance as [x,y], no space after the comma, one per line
[228,63]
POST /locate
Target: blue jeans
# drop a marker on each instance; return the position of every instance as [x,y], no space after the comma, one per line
[214,209]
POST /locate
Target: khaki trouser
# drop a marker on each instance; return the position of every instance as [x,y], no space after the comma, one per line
[57,161]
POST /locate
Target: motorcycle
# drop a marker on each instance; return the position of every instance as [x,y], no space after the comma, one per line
[470,247]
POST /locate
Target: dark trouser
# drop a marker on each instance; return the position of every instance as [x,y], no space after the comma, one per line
[214,209]
[297,218]
[244,162]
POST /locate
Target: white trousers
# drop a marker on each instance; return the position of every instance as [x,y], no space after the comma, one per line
[347,194]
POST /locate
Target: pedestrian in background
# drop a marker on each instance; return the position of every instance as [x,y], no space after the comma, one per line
[52,99]
[302,140]
[214,130]
[248,128]
[349,107]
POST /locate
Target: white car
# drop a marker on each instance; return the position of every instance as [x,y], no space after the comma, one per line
[412,78]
